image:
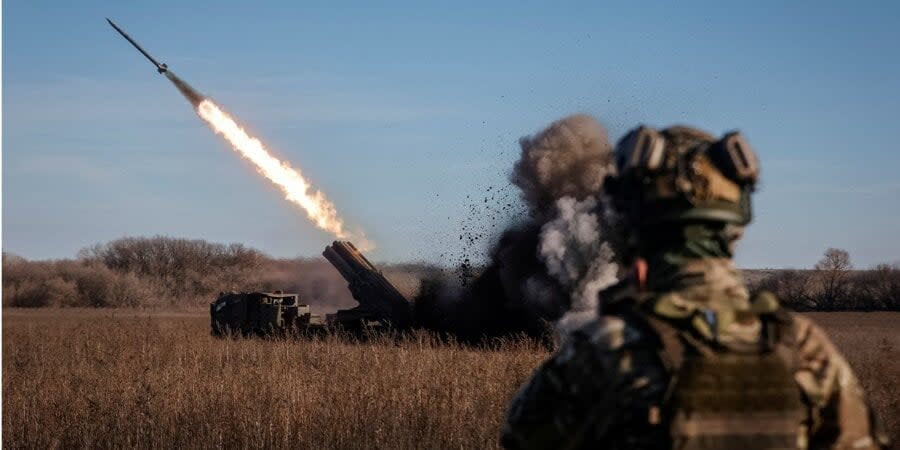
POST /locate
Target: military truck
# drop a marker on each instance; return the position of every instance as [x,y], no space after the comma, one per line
[259,313]
[381,305]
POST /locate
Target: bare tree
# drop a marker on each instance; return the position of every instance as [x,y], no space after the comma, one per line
[835,259]
[832,271]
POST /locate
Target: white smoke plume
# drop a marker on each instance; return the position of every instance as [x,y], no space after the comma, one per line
[574,248]
[561,173]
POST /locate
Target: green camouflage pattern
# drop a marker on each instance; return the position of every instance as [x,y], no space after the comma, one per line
[606,387]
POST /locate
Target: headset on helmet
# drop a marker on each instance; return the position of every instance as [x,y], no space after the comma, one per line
[682,174]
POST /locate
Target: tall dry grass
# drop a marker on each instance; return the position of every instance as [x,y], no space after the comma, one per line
[121,378]
[75,378]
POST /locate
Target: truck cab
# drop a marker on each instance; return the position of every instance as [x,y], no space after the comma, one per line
[258,313]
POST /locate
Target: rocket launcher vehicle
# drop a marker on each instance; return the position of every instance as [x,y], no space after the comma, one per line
[381,305]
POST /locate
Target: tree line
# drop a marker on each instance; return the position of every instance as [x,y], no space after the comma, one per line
[163,272]
[834,285]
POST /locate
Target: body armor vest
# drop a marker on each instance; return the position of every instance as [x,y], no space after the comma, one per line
[733,397]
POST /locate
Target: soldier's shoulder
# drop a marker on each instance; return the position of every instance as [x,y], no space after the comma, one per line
[822,369]
[812,341]
[829,383]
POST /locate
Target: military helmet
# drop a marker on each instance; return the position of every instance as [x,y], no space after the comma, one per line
[683,174]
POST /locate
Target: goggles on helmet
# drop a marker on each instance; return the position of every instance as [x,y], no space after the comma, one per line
[643,150]
[734,156]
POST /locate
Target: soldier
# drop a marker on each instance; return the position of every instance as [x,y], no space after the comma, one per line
[680,355]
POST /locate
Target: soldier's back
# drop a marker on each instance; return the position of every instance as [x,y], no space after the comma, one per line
[634,378]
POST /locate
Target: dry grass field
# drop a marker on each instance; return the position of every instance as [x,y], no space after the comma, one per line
[119,378]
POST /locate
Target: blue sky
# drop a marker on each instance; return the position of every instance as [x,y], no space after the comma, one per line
[400,111]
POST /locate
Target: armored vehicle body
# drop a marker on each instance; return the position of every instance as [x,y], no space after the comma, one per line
[381,305]
[259,313]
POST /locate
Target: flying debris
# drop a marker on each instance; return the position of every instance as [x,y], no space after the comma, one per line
[160,67]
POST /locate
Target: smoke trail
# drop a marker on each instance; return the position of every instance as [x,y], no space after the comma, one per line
[186,90]
[290,180]
[576,251]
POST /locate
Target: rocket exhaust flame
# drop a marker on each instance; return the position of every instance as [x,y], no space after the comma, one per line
[295,187]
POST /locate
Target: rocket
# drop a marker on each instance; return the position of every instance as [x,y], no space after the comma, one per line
[192,95]
[160,67]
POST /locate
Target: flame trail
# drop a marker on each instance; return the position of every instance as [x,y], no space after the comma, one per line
[295,187]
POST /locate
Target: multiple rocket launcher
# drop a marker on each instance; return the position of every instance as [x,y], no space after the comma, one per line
[379,301]
[381,305]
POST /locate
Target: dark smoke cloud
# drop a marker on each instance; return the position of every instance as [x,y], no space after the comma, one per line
[570,158]
[548,267]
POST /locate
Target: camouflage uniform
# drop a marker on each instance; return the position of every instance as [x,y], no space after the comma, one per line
[680,356]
